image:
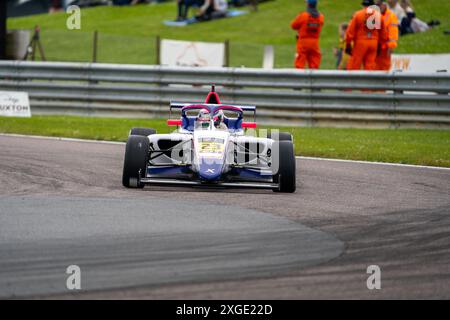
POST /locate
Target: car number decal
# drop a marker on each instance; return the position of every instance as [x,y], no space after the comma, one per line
[211,147]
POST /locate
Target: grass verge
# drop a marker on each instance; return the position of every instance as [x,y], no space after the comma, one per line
[127,33]
[420,147]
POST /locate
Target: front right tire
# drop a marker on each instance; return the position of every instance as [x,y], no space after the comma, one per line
[142,132]
[280,136]
[135,162]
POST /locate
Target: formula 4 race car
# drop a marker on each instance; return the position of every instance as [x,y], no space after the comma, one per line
[211,149]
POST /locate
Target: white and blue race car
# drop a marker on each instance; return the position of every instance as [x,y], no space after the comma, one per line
[212,147]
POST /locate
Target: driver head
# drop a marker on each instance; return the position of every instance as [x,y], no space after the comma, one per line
[218,118]
[204,118]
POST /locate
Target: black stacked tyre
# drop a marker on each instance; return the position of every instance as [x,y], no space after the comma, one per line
[285,176]
[135,162]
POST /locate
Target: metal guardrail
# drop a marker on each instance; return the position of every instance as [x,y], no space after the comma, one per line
[290,97]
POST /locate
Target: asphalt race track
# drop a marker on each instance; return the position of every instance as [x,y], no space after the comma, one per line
[62,203]
[130,242]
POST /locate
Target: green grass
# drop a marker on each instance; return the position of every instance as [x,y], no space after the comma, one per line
[422,147]
[127,34]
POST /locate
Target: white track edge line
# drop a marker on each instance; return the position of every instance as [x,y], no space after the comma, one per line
[298,157]
[60,138]
[374,163]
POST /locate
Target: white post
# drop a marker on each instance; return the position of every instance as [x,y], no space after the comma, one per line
[269,57]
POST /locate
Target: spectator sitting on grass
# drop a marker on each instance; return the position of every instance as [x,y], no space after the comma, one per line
[412,24]
[212,9]
[183,8]
[407,19]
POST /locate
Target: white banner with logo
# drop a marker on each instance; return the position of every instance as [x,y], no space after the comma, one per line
[177,53]
[14,104]
[421,62]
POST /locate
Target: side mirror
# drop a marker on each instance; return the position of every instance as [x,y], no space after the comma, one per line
[249,125]
[173,122]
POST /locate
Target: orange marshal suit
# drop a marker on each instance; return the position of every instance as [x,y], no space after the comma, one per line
[308,50]
[365,40]
[391,30]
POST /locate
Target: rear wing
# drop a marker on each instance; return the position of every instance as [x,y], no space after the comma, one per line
[180,105]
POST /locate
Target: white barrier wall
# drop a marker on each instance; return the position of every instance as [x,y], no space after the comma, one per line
[14,104]
[175,53]
[421,62]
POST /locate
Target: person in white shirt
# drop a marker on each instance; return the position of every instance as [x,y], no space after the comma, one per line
[417,25]
[410,23]
[397,9]
[212,9]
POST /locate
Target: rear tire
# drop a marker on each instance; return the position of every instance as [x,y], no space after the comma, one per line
[135,162]
[285,176]
[282,136]
[142,132]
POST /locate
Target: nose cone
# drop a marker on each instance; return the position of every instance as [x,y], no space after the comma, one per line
[210,171]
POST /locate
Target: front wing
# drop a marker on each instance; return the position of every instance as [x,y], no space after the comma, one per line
[183,183]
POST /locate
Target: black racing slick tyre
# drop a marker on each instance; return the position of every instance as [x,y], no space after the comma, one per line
[135,162]
[282,136]
[285,176]
[142,132]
